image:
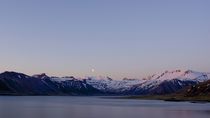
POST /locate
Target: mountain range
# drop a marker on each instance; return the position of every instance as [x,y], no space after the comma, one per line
[14,83]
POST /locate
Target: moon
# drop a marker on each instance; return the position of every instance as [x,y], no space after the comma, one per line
[92,70]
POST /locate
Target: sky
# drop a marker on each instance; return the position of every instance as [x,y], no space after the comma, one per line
[115,38]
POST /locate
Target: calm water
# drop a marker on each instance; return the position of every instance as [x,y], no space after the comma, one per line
[95,107]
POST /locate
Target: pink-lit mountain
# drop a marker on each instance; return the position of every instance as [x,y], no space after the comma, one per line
[13,83]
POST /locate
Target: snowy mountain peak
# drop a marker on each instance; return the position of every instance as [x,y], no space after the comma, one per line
[179,78]
[65,78]
[179,74]
[101,78]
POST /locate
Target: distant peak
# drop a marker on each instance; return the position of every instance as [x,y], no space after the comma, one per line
[10,72]
[69,77]
[188,71]
[14,74]
[99,78]
[110,79]
[41,76]
[178,71]
[173,71]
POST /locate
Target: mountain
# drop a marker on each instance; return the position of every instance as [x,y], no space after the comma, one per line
[201,89]
[163,83]
[110,86]
[195,93]
[73,86]
[21,84]
[13,83]
[170,82]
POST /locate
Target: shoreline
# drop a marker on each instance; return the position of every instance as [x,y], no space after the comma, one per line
[198,99]
[168,98]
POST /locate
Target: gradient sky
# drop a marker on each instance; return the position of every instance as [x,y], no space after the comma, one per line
[117,38]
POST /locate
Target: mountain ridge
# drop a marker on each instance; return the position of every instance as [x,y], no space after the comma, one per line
[41,84]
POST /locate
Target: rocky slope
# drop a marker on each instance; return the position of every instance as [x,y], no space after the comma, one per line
[201,89]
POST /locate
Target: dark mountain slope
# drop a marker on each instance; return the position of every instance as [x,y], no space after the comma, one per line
[202,89]
[12,83]
[22,84]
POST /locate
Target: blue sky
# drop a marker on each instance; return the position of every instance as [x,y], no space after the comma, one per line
[117,38]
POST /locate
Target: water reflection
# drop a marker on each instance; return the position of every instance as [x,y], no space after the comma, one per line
[93,107]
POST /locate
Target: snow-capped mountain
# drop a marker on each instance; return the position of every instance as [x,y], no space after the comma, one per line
[188,75]
[41,84]
[109,85]
[166,82]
